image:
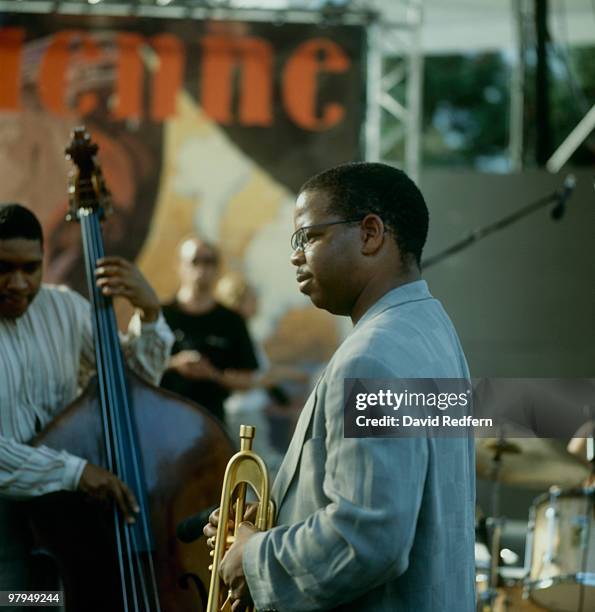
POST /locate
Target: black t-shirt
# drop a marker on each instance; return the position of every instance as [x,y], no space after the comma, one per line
[222,337]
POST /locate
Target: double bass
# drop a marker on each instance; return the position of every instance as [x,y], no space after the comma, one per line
[170,452]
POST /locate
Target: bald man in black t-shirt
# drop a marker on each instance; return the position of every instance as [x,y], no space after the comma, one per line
[213,353]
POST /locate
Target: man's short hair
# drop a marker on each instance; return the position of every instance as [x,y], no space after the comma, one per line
[16,221]
[357,189]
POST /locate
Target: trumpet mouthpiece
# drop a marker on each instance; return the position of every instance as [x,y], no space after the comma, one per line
[247,432]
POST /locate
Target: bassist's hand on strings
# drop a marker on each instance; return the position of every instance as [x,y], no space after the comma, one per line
[103,485]
[117,277]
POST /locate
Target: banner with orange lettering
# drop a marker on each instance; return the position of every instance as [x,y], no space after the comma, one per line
[206,127]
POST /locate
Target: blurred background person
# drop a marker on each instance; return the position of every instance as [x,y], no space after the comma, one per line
[213,354]
[252,406]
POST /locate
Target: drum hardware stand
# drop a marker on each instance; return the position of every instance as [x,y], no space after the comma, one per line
[586,539]
[590,451]
[496,522]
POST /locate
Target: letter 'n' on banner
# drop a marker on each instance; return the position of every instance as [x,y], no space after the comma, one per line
[221,54]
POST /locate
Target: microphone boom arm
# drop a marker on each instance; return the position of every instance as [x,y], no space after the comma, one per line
[558,196]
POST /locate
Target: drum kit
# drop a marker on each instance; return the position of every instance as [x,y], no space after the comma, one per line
[559,570]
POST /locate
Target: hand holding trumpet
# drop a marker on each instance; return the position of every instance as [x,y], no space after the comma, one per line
[231,570]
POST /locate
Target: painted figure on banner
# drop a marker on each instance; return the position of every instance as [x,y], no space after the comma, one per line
[184,158]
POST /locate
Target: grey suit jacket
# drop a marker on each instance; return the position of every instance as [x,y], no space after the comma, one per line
[373,524]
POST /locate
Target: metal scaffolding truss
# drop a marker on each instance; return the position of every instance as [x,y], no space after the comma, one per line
[394,88]
[394,59]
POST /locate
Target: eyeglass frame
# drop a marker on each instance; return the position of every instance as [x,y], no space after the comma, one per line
[212,260]
[301,247]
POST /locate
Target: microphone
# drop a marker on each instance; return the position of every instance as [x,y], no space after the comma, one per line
[190,529]
[562,197]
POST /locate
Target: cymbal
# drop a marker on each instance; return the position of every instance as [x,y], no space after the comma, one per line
[534,463]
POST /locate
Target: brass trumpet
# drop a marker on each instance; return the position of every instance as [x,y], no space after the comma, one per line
[244,468]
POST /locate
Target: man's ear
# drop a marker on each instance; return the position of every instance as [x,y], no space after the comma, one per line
[372,234]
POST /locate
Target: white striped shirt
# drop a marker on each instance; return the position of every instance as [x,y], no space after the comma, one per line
[46,356]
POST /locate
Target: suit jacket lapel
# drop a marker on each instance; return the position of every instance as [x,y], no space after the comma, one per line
[294,452]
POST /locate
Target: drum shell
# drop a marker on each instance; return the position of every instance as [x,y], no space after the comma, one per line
[561,550]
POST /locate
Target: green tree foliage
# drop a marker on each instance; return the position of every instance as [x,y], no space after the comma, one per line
[572,95]
[465,111]
[466,106]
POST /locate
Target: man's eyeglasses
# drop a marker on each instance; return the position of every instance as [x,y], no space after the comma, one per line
[299,238]
[205,260]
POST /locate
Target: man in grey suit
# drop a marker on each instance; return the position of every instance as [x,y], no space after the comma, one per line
[365,524]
